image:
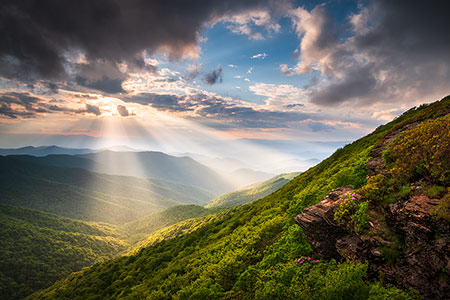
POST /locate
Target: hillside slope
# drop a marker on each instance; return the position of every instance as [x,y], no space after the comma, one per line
[256,252]
[80,194]
[143,227]
[253,192]
[159,165]
[39,248]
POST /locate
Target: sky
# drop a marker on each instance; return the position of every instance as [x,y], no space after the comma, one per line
[218,77]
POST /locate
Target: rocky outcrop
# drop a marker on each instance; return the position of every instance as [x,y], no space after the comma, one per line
[426,253]
[421,261]
[318,222]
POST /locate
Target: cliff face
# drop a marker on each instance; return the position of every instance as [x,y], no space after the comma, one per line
[404,242]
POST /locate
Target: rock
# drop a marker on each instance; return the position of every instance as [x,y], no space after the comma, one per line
[318,223]
[422,263]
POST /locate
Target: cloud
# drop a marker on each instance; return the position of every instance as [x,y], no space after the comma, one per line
[252,23]
[280,95]
[93,109]
[203,107]
[214,76]
[101,75]
[122,110]
[286,70]
[393,53]
[294,105]
[193,71]
[319,126]
[43,39]
[232,66]
[259,56]
[26,105]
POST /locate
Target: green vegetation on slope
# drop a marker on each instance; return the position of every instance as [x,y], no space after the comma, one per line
[39,248]
[142,227]
[178,229]
[80,194]
[251,253]
[253,192]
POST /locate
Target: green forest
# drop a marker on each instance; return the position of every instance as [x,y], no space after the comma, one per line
[253,192]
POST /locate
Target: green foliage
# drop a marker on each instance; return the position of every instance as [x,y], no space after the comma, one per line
[352,212]
[394,252]
[422,152]
[443,209]
[39,248]
[435,191]
[143,227]
[376,190]
[253,192]
[251,252]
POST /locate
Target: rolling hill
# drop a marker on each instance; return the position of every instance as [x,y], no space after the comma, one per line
[253,192]
[39,248]
[158,165]
[79,194]
[259,252]
[144,226]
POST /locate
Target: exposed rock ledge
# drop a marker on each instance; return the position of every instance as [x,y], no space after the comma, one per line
[423,263]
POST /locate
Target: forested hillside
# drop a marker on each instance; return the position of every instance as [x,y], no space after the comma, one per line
[39,248]
[253,192]
[255,252]
[80,194]
[143,227]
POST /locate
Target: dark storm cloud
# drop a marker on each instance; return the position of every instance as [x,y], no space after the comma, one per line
[214,76]
[397,51]
[206,107]
[123,111]
[93,109]
[41,38]
[294,105]
[26,105]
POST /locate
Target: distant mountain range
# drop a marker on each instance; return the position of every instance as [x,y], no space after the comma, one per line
[149,164]
[43,151]
[28,181]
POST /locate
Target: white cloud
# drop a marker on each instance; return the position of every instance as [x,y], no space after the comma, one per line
[286,70]
[248,23]
[259,56]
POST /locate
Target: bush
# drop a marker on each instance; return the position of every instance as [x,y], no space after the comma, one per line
[422,152]
[352,212]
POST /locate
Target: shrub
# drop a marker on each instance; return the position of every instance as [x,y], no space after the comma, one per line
[435,191]
[422,152]
[443,209]
[352,212]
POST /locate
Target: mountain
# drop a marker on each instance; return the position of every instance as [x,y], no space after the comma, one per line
[259,252]
[43,151]
[243,177]
[79,194]
[143,227]
[159,165]
[38,249]
[252,192]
